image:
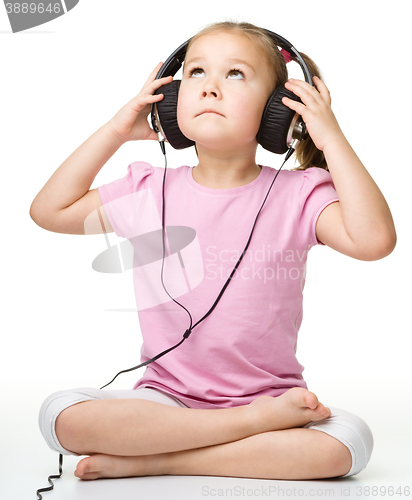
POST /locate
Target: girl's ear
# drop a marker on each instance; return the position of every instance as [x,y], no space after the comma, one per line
[167,112]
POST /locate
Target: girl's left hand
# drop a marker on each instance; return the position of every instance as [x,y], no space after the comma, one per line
[316,110]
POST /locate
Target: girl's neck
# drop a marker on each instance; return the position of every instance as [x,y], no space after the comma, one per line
[225,171]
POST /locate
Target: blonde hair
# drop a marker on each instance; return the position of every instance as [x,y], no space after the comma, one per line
[307,154]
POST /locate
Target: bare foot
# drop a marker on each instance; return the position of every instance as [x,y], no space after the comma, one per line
[294,408]
[110,466]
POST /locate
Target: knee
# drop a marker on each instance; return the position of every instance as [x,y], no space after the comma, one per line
[68,429]
[339,458]
[55,422]
[350,432]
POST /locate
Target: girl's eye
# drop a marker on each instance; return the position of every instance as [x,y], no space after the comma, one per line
[235,74]
[197,72]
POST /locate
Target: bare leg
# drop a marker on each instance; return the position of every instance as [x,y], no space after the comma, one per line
[132,427]
[293,454]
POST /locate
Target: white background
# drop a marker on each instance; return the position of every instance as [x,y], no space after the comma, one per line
[63,80]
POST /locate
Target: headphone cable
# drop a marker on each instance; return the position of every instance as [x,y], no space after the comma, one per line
[191,326]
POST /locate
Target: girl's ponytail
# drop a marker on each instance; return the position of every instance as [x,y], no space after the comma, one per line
[307,154]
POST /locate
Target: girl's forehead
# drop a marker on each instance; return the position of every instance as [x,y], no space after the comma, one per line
[222,43]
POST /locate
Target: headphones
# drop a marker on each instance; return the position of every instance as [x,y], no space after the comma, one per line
[281,128]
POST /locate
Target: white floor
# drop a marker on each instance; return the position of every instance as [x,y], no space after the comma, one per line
[26,462]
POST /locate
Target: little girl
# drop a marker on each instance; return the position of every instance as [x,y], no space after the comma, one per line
[231,400]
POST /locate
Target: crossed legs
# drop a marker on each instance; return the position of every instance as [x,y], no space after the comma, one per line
[264,439]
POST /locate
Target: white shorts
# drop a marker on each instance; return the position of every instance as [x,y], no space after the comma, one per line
[348,428]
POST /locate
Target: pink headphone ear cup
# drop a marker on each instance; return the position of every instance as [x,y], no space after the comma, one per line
[276,121]
[167,112]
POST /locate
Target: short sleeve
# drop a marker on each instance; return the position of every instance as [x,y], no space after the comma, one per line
[122,198]
[317,191]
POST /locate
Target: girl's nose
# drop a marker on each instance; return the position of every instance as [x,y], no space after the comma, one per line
[211,93]
[211,89]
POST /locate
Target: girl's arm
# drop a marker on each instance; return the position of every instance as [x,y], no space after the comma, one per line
[360,225]
[66,200]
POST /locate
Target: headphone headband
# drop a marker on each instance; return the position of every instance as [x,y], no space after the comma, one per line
[175,61]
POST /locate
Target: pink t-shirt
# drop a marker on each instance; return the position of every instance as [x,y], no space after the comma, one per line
[247,346]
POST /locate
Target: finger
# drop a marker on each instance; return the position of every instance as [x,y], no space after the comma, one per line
[152,79]
[318,93]
[153,74]
[159,83]
[151,98]
[308,94]
[322,89]
[142,100]
[294,105]
[152,136]
[151,87]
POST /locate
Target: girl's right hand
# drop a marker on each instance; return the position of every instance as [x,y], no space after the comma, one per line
[130,122]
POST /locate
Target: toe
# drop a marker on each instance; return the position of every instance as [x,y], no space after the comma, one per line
[322,412]
[89,476]
[326,412]
[311,400]
[81,468]
[84,469]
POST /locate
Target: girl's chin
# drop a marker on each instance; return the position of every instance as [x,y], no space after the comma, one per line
[208,134]
[212,139]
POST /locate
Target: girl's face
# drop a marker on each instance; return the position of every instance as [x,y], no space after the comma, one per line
[226,83]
